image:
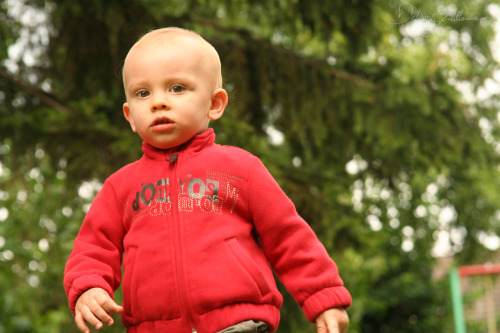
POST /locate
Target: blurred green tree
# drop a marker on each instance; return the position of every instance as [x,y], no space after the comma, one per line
[373,115]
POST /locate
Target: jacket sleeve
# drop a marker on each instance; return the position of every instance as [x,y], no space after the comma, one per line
[97,250]
[295,253]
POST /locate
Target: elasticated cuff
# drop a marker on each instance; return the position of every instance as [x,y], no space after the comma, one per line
[324,300]
[81,284]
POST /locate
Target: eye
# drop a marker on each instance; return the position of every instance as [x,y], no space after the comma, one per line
[177,89]
[142,93]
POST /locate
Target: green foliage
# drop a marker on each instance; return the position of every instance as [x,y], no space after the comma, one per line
[43,216]
[380,137]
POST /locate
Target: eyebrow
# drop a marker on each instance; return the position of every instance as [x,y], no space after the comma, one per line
[187,79]
[131,85]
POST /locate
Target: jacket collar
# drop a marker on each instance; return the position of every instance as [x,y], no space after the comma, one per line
[191,147]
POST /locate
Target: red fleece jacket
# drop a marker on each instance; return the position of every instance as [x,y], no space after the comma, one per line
[186,222]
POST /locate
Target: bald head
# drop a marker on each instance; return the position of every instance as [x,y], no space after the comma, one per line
[172,36]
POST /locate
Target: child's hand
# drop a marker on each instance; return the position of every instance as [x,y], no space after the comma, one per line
[332,321]
[93,306]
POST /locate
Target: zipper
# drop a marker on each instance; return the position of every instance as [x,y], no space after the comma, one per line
[178,244]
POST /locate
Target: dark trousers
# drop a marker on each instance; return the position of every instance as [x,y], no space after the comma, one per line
[249,326]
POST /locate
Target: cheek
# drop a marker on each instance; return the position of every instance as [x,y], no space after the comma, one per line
[134,122]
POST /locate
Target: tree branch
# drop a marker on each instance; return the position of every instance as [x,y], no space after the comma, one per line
[247,35]
[45,97]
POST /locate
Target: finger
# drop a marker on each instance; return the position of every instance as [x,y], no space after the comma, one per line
[321,329]
[333,328]
[111,307]
[108,303]
[343,322]
[80,323]
[333,324]
[322,325]
[100,313]
[89,316]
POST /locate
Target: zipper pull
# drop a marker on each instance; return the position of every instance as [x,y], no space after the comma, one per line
[172,158]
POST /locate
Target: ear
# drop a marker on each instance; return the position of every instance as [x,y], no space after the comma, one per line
[126,113]
[219,102]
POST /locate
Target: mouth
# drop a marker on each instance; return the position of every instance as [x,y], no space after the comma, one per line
[162,125]
[162,121]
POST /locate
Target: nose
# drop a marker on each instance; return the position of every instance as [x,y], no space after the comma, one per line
[159,102]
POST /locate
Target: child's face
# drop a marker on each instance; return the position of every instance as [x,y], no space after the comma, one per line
[170,91]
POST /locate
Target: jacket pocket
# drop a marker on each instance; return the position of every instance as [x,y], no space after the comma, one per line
[249,265]
[149,286]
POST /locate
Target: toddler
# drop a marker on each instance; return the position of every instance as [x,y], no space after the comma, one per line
[197,226]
